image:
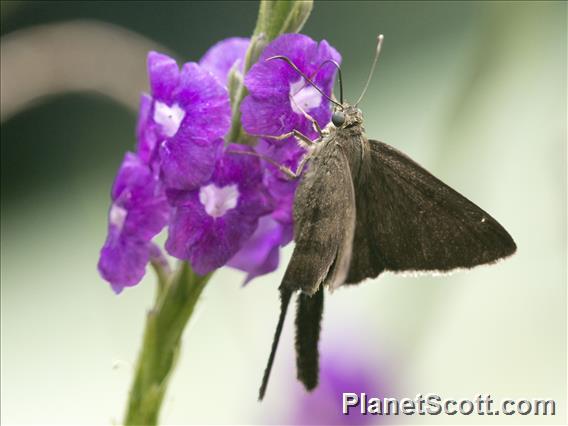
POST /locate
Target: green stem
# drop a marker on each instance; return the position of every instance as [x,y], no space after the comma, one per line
[165,323]
[162,274]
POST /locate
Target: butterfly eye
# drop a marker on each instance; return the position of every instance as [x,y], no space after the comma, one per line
[338,118]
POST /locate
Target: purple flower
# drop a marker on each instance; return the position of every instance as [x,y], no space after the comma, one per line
[191,113]
[211,223]
[342,370]
[220,207]
[179,134]
[260,255]
[278,94]
[220,58]
[138,212]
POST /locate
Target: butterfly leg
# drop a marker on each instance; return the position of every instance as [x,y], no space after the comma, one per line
[293,175]
[301,166]
[290,174]
[308,117]
[302,139]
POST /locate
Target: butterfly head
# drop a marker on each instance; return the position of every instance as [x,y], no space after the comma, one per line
[346,116]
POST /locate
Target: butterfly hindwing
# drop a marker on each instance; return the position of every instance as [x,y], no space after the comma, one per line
[408,220]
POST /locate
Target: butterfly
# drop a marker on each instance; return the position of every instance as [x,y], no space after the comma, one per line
[363,208]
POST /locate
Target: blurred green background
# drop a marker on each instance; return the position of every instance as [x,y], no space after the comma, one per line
[474,91]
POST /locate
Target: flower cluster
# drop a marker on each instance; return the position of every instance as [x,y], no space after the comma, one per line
[221,204]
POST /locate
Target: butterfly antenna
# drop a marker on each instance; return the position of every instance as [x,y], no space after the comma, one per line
[380,39]
[284,301]
[339,76]
[308,79]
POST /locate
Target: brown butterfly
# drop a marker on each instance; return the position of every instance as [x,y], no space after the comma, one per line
[362,208]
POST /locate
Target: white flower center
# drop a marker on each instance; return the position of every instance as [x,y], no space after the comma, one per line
[117,216]
[169,117]
[303,97]
[218,200]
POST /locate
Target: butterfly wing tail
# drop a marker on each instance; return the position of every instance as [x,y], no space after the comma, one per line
[308,325]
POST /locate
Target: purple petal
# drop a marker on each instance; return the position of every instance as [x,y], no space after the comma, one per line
[189,156]
[207,242]
[246,170]
[260,254]
[163,73]
[187,162]
[123,261]
[146,130]
[206,102]
[139,193]
[265,117]
[188,225]
[220,58]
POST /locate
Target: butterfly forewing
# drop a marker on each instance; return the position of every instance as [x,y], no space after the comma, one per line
[324,222]
[408,220]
